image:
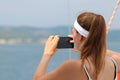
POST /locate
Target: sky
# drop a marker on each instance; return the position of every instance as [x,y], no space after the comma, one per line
[51,13]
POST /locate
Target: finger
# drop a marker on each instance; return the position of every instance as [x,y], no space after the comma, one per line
[56,38]
[55,41]
[71,36]
[71,41]
[51,37]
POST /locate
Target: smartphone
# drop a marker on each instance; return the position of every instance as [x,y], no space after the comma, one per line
[64,42]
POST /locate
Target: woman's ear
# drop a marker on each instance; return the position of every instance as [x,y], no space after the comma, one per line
[81,37]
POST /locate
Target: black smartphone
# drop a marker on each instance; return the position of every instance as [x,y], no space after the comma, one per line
[64,42]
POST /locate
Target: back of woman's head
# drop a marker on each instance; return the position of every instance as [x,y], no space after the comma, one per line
[95,44]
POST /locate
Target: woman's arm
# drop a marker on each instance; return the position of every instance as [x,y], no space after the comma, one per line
[50,49]
[41,69]
[116,57]
[67,71]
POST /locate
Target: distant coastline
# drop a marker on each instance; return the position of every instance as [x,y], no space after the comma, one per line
[33,35]
[29,35]
[12,41]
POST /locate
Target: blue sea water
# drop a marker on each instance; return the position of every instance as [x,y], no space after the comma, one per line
[19,62]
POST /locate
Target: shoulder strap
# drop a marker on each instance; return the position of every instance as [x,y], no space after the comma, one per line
[115,71]
[86,70]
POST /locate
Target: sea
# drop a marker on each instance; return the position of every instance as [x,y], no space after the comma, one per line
[19,61]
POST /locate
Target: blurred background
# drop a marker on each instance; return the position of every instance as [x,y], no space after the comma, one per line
[26,24]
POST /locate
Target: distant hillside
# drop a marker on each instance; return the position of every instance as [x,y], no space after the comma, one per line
[31,32]
[35,33]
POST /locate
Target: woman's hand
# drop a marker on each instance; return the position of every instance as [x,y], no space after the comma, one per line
[72,41]
[51,44]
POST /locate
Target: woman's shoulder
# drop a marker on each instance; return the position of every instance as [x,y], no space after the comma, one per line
[72,62]
[71,65]
[69,70]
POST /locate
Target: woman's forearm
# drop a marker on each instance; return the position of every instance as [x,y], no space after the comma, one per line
[49,51]
[41,70]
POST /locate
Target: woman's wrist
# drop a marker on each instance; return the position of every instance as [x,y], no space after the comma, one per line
[45,58]
[47,55]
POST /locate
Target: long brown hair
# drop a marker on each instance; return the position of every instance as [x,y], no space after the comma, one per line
[95,44]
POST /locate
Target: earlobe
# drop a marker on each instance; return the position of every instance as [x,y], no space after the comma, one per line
[81,37]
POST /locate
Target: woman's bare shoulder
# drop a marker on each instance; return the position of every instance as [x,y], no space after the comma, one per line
[72,63]
[71,68]
[66,71]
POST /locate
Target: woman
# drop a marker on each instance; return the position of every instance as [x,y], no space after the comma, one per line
[96,63]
